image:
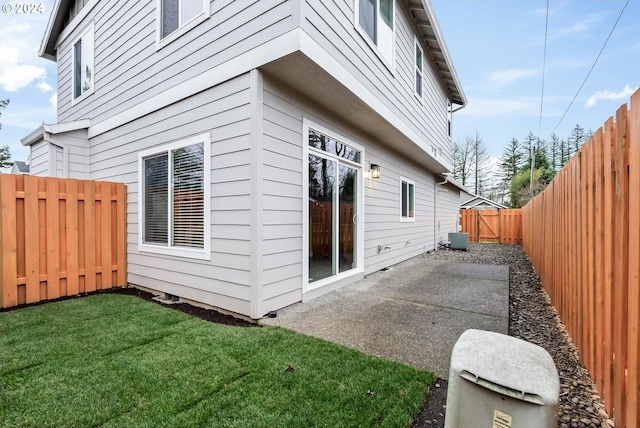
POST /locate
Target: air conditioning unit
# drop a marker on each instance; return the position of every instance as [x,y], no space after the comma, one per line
[459,241]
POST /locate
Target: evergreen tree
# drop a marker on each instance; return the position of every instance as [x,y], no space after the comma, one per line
[528,144]
[5,157]
[5,153]
[577,138]
[565,152]
[511,159]
[553,152]
[3,105]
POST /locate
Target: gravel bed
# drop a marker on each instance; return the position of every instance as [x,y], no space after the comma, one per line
[532,318]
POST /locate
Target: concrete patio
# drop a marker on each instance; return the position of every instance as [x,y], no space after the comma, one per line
[412,313]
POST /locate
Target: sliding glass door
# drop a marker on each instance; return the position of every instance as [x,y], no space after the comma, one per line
[334,182]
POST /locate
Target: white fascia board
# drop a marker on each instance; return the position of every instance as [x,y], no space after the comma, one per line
[426,4]
[56,128]
[48,31]
[59,37]
[34,136]
[59,128]
[260,55]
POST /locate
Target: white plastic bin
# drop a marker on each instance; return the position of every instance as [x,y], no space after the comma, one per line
[498,381]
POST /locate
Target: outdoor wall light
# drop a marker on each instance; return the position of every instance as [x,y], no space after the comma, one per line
[374,171]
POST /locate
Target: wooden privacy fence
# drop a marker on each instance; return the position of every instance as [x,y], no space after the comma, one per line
[321,228]
[503,226]
[60,237]
[582,235]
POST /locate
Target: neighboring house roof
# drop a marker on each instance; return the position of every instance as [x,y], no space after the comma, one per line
[477,201]
[421,10]
[20,167]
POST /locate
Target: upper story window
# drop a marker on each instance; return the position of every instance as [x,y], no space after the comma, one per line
[76,7]
[376,19]
[83,62]
[419,64]
[449,117]
[178,16]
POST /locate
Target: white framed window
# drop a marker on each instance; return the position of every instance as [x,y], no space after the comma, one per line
[407,199]
[375,20]
[83,55]
[419,67]
[176,17]
[173,186]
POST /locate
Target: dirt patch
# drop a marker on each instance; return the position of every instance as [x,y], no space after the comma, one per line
[206,314]
[432,414]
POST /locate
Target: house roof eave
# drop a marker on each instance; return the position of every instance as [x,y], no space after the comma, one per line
[54,28]
[424,18]
[56,128]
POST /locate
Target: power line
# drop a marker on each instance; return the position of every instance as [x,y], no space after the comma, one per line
[544,66]
[590,70]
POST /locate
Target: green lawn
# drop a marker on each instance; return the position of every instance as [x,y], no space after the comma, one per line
[112,360]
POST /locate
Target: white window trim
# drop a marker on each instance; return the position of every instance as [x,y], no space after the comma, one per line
[306,125]
[89,29]
[408,219]
[193,22]
[391,66]
[70,28]
[416,45]
[195,253]
[449,118]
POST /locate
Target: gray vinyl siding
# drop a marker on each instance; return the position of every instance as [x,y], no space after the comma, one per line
[282,203]
[284,111]
[223,111]
[58,161]
[75,142]
[448,211]
[331,24]
[383,226]
[129,70]
[39,162]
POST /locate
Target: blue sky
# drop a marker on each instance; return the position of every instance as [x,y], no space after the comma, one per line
[497,48]
[26,79]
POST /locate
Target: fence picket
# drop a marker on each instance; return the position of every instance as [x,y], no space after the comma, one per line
[633,413]
[582,235]
[508,226]
[9,256]
[47,234]
[53,238]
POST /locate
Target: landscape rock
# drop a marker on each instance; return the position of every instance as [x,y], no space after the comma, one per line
[534,319]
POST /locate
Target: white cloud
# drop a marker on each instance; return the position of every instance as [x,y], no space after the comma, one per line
[608,95]
[20,76]
[582,26]
[54,101]
[44,86]
[502,78]
[20,66]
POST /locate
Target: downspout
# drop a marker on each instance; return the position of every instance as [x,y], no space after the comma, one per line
[436,229]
